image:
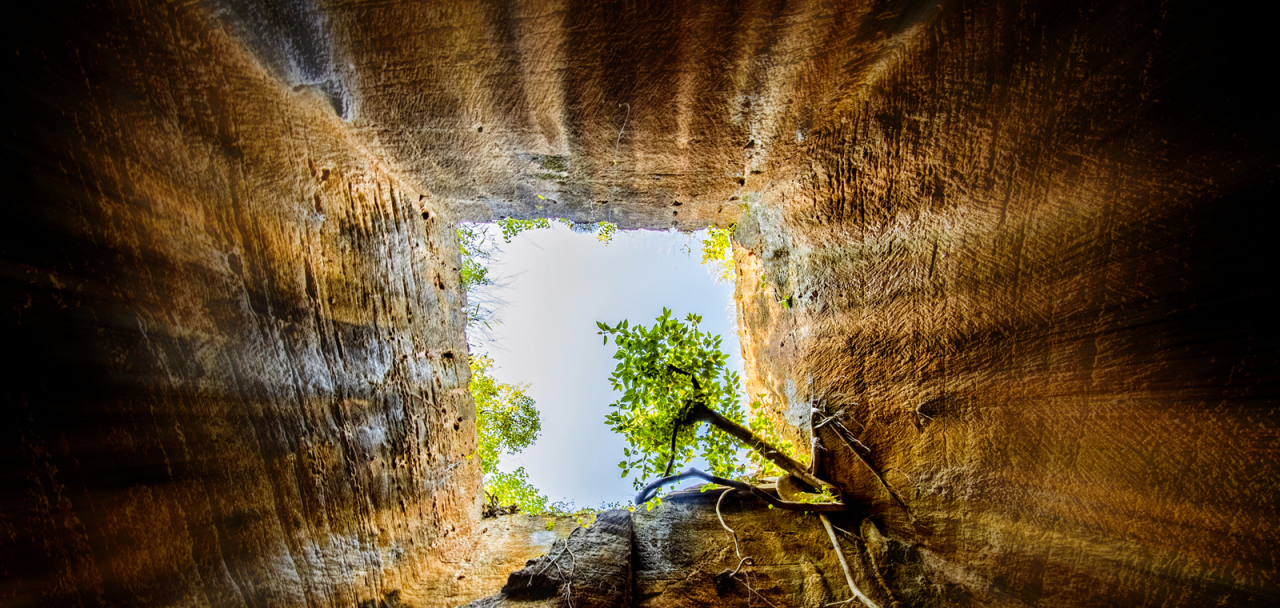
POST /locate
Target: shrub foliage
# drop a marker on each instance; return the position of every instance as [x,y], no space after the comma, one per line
[655,373]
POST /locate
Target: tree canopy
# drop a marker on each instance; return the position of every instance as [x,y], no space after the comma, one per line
[506,423]
[506,419]
[657,372]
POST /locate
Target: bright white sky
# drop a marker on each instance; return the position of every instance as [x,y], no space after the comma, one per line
[558,283]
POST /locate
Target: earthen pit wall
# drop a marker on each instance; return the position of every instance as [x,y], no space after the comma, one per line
[238,371]
[1127,224]
[1031,275]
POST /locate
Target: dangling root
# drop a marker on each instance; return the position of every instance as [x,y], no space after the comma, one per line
[844,565]
[845,435]
[573,566]
[741,560]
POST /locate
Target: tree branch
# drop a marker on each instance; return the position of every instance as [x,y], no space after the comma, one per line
[699,412]
[814,507]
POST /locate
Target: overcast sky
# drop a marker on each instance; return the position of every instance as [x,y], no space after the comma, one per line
[558,283]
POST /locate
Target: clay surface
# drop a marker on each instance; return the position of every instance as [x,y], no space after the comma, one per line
[481,564]
[1023,248]
[1038,300]
[237,372]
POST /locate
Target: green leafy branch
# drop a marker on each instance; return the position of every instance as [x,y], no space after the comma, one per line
[511,227]
[717,252]
[654,397]
[673,376]
[606,232]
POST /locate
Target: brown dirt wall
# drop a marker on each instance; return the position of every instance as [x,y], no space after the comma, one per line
[237,372]
[1022,246]
[1025,258]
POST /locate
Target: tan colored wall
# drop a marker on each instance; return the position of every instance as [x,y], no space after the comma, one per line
[238,375]
[1025,246]
[490,105]
[1028,261]
[479,565]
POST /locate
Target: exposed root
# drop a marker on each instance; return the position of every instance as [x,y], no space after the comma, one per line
[613,186]
[848,439]
[573,566]
[844,565]
[732,534]
[746,580]
[848,533]
[648,491]
[875,569]
[618,143]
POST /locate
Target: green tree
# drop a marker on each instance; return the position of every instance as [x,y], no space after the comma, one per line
[506,419]
[475,254]
[605,233]
[511,227]
[673,376]
[476,250]
[514,489]
[657,370]
[717,251]
[506,423]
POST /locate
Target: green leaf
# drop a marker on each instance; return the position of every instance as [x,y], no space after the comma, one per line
[514,487]
[506,419]
[652,396]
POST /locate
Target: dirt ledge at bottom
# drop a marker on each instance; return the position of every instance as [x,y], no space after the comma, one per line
[679,555]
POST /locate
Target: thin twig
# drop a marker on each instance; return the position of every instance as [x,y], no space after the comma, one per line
[902,473]
[844,565]
[616,145]
[554,559]
[766,600]
[879,477]
[549,563]
[841,427]
[848,533]
[829,419]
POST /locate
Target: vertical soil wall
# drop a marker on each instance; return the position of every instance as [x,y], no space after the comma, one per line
[1021,248]
[1025,259]
[236,372]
